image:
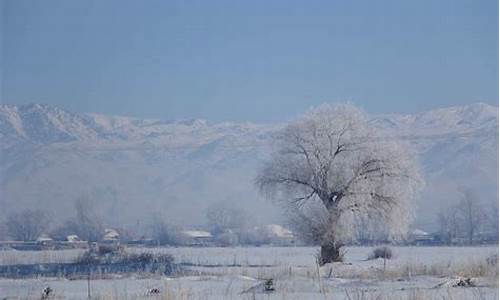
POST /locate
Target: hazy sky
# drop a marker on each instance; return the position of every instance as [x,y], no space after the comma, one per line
[248,60]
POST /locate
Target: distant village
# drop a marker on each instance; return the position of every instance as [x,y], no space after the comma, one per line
[225,226]
[272,235]
[268,235]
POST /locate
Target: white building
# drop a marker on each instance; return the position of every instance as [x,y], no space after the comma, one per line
[111,235]
[197,237]
[419,236]
[279,234]
[72,238]
[44,239]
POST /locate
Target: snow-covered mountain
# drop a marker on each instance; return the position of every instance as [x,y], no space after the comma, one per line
[136,167]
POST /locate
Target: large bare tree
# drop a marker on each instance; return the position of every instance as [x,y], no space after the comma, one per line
[223,216]
[471,215]
[330,166]
[465,220]
[448,221]
[88,225]
[27,225]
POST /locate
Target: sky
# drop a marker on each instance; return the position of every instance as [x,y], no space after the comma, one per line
[260,61]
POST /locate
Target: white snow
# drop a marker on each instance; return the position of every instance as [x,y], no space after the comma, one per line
[224,273]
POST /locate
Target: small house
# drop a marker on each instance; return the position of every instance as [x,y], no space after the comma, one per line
[73,238]
[420,237]
[198,237]
[44,239]
[45,242]
[279,235]
[111,235]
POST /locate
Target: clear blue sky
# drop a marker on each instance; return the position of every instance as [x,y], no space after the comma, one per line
[260,61]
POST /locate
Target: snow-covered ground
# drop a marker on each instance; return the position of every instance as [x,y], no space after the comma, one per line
[226,273]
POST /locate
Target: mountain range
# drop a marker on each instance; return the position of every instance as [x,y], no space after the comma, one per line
[133,168]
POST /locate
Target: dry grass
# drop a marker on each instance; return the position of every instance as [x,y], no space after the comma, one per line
[12,257]
[183,293]
[415,294]
[473,268]
[470,269]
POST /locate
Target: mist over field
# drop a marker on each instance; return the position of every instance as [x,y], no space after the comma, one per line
[135,167]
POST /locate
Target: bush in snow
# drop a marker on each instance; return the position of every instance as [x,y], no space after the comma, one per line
[381,252]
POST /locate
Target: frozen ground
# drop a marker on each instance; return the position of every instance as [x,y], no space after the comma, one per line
[230,273]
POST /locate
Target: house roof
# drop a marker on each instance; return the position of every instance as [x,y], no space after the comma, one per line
[43,238]
[73,238]
[197,233]
[279,231]
[419,232]
[110,233]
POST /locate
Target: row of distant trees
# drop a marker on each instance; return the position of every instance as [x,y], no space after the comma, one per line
[465,222]
[228,224]
[28,225]
[468,221]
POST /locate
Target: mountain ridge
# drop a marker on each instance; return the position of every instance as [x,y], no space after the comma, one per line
[132,166]
[99,125]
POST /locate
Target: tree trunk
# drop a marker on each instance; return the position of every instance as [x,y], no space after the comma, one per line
[330,248]
[330,253]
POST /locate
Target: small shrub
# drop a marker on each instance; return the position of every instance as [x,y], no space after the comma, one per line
[492,260]
[122,262]
[381,252]
[88,258]
[104,249]
[91,257]
[226,239]
[148,258]
[142,258]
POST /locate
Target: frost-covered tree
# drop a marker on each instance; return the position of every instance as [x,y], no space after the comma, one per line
[492,218]
[465,220]
[223,216]
[27,225]
[88,225]
[448,221]
[166,233]
[471,215]
[330,166]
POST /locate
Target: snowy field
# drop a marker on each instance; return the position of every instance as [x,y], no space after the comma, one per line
[236,273]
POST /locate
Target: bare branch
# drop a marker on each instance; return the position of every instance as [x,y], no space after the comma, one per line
[333,153]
